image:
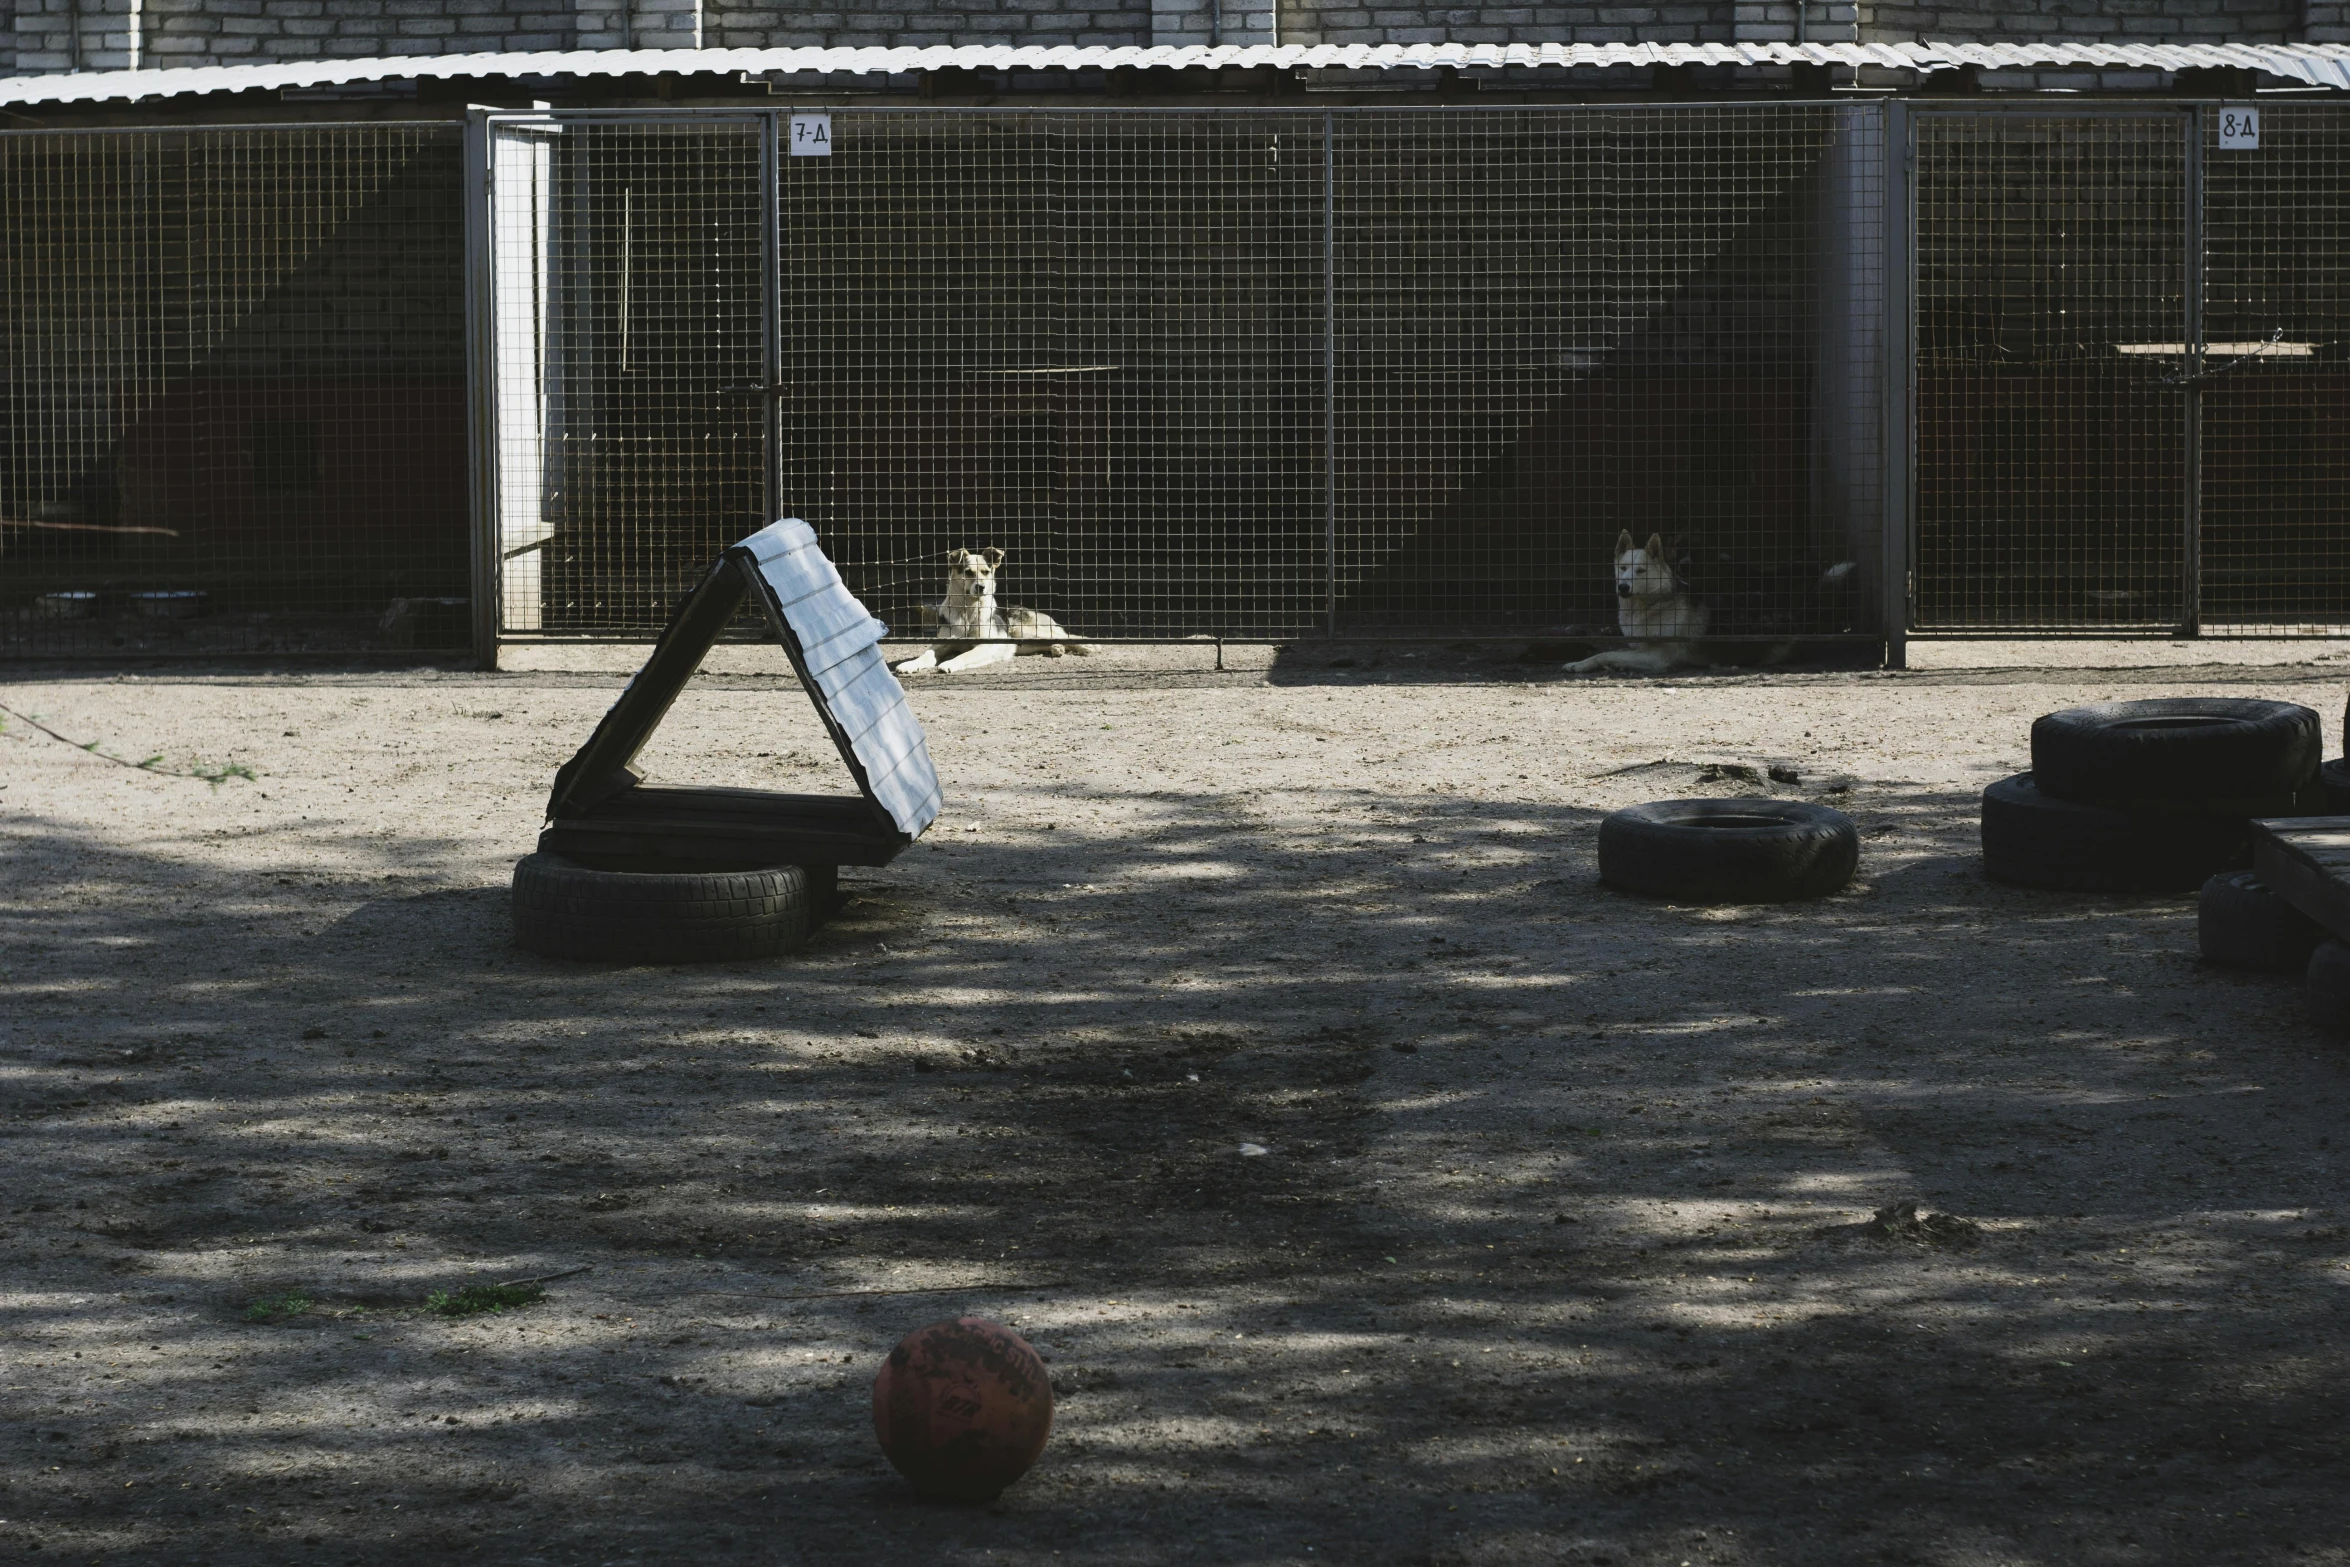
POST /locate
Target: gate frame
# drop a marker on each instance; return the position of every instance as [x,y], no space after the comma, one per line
[1901,538]
[481,127]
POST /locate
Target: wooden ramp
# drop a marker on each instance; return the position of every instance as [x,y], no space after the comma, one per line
[2306,860]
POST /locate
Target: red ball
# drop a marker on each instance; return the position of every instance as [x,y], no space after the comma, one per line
[962,1408]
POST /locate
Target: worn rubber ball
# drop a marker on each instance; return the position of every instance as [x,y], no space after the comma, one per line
[962,1408]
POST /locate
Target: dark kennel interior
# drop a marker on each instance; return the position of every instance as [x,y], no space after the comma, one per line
[2078,467]
[232,408]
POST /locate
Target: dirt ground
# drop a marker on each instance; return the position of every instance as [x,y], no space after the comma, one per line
[1558,1249]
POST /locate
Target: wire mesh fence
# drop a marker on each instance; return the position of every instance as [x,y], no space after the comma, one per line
[2131,389]
[1278,373]
[1553,328]
[2052,313]
[1094,341]
[1259,372]
[628,312]
[232,391]
[2274,380]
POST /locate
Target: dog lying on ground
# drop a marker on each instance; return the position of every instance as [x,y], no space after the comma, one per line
[974,630]
[1663,622]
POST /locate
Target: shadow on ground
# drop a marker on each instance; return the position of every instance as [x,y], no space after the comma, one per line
[1555,1250]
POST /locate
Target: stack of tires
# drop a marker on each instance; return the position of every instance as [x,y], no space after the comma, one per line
[2241,924]
[2333,778]
[2149,797]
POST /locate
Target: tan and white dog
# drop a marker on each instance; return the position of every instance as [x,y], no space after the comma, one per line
[974,630]
[1655,611]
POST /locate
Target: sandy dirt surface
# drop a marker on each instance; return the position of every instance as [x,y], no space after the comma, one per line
[1557,1252]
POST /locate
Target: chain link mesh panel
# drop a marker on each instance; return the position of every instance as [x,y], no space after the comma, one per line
[1240,373]
[1272,373]
[1557,326]
[2275,381]
[1094,341]
[232,391]
[2052,314]
[628,320]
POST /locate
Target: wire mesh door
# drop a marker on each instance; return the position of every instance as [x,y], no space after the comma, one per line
[1093,340]
[2053,472]
[2274,379]
[232,391]
[628,328]
[1555,326]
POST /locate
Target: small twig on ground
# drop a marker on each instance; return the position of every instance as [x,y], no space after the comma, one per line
[215,776]
[547,1278]
[932,1289]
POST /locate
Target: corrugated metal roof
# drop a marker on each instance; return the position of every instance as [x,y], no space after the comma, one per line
[2315,65]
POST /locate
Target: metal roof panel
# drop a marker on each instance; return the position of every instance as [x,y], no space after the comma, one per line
[2318,65]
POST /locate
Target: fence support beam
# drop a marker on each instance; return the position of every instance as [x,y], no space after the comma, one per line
[481,414]
[2191,366]
[1899,383]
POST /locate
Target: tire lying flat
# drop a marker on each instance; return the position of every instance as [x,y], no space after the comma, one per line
[563,909]
[2032,840]
[2223,754]
[1728,851]
[2326,989]
[2241,923]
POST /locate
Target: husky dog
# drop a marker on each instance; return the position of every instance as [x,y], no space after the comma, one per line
[969,613]
[1664,623]
[1654,610]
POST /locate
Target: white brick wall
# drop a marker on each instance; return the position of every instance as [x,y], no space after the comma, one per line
[39,36]
[2157,21]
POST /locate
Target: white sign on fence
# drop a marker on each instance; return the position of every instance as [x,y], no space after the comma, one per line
[811,135]
[2239,128]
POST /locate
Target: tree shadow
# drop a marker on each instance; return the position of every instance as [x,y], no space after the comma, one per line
[1555,1248]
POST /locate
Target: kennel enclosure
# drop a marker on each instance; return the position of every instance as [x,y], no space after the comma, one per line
[1298,366]
[1264,374]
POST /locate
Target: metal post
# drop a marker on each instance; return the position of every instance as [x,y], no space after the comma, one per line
[771,276]
[481,391]
[2191,367]
[1900,376]
[1330,370]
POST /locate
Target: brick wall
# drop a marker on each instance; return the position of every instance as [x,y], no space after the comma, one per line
[2152,21]
[40,35]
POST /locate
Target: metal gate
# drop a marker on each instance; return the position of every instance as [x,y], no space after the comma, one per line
[2128,398]
[1248,373]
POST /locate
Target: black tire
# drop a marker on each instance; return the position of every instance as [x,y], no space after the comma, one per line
[563,909]
[2225,754]
[2326,989]
[2030,840]
[2332,790]
[2240,923]
[1728,851]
